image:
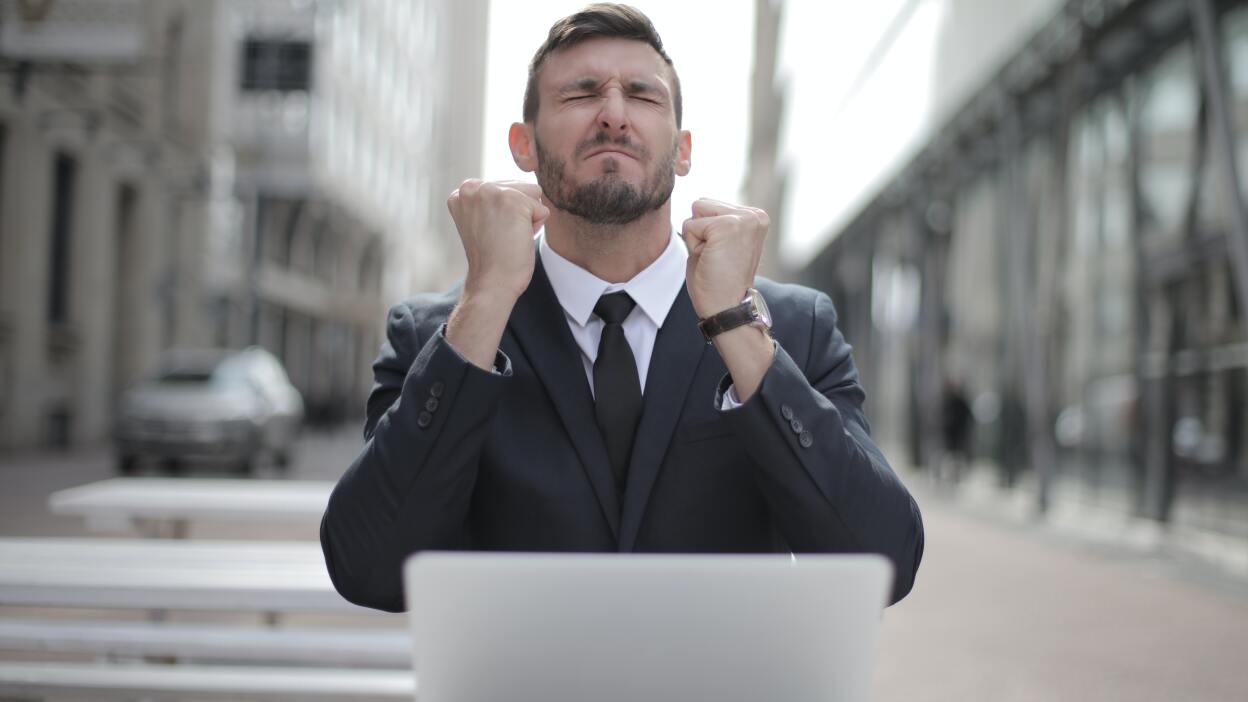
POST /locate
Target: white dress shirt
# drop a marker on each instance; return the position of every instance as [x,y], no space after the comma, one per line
[654,290]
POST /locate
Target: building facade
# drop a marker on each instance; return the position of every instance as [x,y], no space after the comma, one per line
[1068,245]
[220,173]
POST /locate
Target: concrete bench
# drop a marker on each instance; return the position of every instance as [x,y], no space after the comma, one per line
[200,642]
[103,681]
[167,507]
[160,574]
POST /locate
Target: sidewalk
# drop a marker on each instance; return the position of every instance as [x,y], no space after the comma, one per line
[1012,612]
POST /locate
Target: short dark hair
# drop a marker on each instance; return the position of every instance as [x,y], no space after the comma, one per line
[597,20]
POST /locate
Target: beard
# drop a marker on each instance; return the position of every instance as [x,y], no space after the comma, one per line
[607,199]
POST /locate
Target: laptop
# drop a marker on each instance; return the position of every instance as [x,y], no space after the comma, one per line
[614,628]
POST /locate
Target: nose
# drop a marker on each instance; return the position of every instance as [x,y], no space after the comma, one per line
[613,118]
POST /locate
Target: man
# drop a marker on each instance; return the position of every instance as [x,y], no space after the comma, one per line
[565,398]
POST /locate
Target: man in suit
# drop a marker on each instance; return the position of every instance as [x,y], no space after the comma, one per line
[566,398]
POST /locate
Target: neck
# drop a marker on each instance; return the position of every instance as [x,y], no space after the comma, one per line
[613,252]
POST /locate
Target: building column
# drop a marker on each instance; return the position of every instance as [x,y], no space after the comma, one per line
[27,181]
[149,319]
[93,256]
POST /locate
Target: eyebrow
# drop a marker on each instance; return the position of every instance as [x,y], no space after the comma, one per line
[641,86]
[578,85]
[591,84]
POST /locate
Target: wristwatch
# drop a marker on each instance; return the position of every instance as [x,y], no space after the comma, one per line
[752,311]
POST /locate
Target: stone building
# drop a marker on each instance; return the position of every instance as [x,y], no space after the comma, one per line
[220,173]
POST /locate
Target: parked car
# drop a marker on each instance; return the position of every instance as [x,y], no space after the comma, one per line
[236,407]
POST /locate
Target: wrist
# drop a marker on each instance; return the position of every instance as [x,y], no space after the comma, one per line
[487,295]
[748,352]
[476,324]
[748,339]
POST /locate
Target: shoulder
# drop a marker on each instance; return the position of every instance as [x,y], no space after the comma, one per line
[414,320]
[803,318]
[426,309]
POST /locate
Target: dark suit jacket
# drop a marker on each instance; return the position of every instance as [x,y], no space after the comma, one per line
[461,458]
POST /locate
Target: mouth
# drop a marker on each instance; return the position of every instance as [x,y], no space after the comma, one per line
[615,152]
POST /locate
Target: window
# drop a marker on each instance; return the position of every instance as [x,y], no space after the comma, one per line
[64,173]
[277,64]
[1235,49]
[1169,105]
[171,70]
[4,140]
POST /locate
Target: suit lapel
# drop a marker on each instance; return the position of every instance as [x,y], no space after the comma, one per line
[539,327]
[678,350]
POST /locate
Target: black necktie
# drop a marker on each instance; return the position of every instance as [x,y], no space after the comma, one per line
[617,391]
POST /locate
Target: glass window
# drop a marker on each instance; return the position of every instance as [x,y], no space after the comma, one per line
[1169,113]
[64,179]
[277,64]
[974,287]
[1096,319]
[1235,49]
[4,141]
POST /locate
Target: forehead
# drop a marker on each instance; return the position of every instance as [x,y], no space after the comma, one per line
[604,58]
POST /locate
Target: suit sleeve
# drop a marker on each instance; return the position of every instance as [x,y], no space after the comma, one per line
[827,484]
[411,486]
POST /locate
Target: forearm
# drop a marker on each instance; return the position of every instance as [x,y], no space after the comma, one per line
[747,352]
[411,486]
[476,325]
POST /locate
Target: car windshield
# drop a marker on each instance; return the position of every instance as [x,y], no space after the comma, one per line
[230,371]
[185,375]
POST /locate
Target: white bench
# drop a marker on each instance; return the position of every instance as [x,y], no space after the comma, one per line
[200,642]
[167,506]
[160,574]
[266,577]
[173,682]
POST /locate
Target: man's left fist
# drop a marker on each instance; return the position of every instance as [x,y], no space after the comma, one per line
[725,243]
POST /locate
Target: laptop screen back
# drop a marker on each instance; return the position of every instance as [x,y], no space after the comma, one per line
[611,628]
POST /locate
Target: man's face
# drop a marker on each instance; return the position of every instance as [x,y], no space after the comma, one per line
[606,141]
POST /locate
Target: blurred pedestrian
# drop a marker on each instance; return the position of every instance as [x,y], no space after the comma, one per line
[958,424]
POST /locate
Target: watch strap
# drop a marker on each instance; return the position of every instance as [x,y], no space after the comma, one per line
[730,318]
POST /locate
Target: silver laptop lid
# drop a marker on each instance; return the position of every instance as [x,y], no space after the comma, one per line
[616,628]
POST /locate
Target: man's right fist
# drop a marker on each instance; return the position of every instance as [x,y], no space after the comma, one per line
[496,223]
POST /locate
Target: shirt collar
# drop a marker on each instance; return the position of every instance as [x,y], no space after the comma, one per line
[654,289]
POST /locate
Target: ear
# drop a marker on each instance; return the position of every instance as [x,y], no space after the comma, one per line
[684,151]
[523,144]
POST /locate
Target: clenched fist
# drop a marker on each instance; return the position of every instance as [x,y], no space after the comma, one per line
[496,223]
[725,244]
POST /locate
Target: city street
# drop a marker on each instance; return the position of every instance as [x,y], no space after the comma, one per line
[1001,611]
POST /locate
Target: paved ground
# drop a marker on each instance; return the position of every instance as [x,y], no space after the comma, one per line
[1002,610]
[1013,613]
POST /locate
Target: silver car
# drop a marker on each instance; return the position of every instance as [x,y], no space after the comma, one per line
[210,404]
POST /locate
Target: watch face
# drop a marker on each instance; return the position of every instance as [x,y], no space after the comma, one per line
[762,315]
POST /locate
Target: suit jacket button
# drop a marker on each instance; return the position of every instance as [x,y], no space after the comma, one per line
[424,420]
[796,425]
[432,404]
[806,440]
[786,412]
[437,388]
